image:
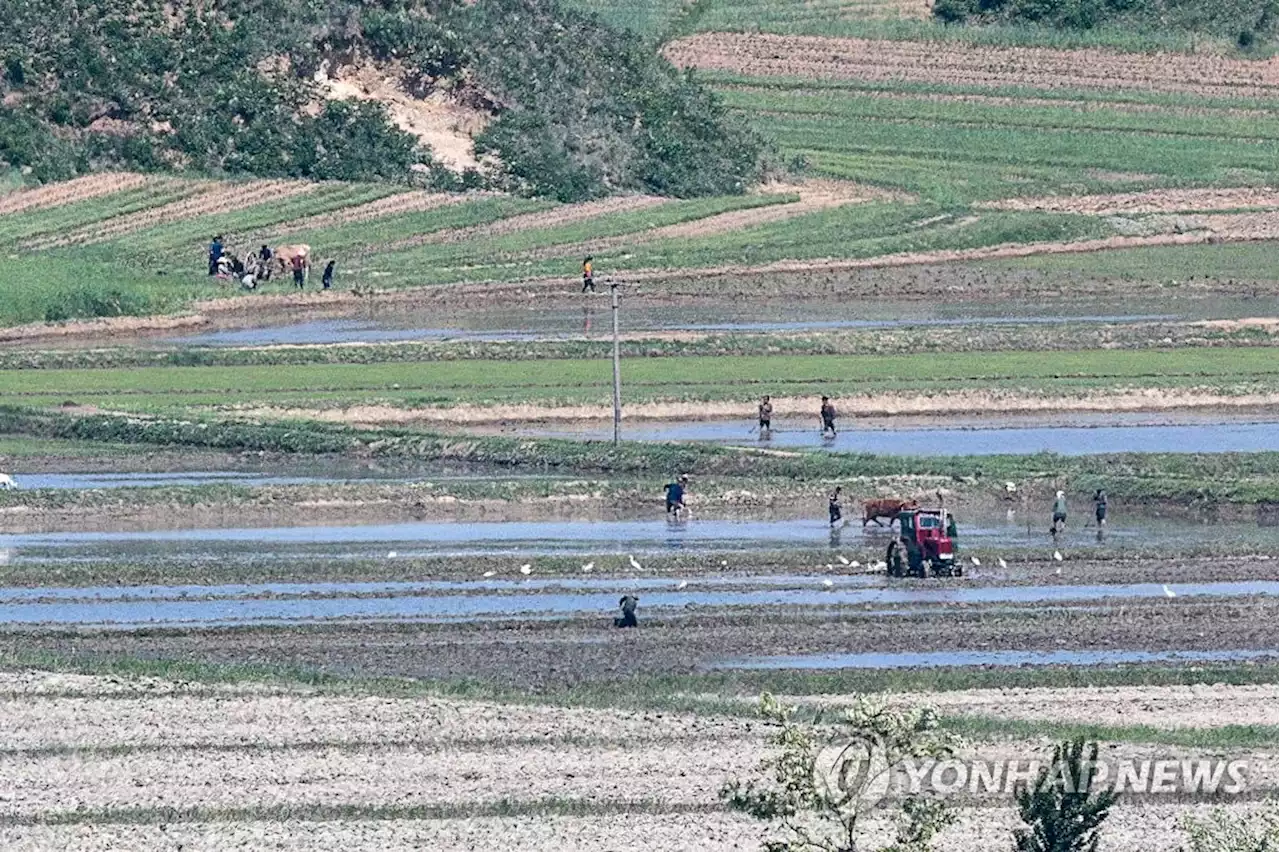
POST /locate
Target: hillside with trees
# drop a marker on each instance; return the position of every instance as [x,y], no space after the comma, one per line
[572,108]
[1251,24]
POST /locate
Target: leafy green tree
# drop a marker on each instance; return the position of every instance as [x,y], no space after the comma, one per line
[1062,811]
[824,783]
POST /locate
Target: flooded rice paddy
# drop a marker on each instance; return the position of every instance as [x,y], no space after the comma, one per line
[567,537]
[407,323]
[963,436]
[481,600]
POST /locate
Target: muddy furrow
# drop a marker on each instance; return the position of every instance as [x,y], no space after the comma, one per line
[932,62]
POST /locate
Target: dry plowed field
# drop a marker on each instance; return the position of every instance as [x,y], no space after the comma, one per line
[211,197]
[80,189]
[931,62]
[296,769]
[1152,201]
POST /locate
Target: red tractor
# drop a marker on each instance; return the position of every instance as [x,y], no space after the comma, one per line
[923,546]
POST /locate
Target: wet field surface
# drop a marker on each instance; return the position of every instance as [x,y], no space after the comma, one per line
[300,473]
[64,481]
[1089,434]
[744,316]
[549,538]
[302,603]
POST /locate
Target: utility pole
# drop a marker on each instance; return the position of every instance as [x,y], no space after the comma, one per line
[617,372]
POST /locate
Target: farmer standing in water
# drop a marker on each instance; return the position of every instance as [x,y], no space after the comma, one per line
[828,412]
[766,417]
[1059,514]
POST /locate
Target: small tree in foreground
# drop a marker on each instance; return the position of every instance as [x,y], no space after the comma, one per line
[825,780]
[1223,831]
[1060,807]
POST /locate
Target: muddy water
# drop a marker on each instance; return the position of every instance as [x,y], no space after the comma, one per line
[551,326]
[961,436]
[301,474]
[985,658]
[254,608]
[533,538]
[65,481]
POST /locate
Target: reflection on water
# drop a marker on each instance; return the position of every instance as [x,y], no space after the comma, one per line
[227,605]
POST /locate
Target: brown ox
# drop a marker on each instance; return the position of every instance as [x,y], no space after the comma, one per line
[284,256]
[885,507]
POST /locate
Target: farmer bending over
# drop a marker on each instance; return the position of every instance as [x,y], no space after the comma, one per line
[628,617]
[675,494]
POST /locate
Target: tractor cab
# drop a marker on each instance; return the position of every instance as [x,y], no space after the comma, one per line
[922,546]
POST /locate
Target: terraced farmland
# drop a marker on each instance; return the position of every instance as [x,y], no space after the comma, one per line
[338,569]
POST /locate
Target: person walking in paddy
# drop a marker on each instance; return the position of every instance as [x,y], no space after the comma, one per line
[1059,514]
[326,280]
[766,417]
[588,275]
[828,412]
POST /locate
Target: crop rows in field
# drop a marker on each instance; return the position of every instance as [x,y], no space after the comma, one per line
[535,221]
[819,58]
[49,223]
[1244,372]
[214,198]
[958,123]
[69,192]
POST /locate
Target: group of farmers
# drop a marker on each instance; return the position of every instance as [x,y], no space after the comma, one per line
[826,413]
[257,266]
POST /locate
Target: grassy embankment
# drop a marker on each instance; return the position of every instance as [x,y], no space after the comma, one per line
[1064,374]
[1186,478]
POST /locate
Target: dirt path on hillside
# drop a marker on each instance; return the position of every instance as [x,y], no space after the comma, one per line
[940,404]
[70,192]
[211,197]
[822,58]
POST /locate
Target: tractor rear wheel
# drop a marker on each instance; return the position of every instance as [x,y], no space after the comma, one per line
[893,559]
